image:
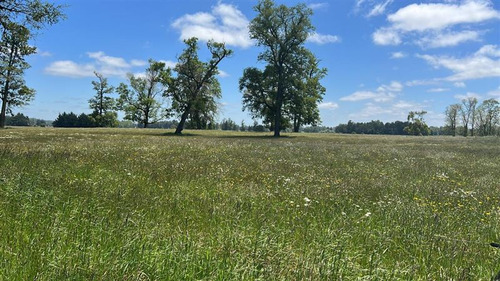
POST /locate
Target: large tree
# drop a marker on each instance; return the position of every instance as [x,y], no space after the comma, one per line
[451,115]
[282,31]
[195,87]
[14,47]
[140,101]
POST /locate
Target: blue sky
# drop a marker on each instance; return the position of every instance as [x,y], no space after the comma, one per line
[384,57]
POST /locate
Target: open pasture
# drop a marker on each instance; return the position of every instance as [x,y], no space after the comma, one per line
[131,204]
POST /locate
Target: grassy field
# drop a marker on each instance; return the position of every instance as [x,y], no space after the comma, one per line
[130,204]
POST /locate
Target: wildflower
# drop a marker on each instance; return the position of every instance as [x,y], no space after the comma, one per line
[368,214]
[307,199]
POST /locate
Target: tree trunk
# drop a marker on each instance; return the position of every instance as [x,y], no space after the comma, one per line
[279,103]
[184,116]
[296,124]
[2,114]
[146,119]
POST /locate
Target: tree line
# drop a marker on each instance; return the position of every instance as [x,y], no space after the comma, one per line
[474,119]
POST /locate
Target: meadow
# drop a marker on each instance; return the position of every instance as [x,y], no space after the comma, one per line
[134,204]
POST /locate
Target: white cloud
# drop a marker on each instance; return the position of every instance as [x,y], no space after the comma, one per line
[102,63]
[482,64]
[391,111]
[414,83]
[328,105]
[225,23]
[431,23]
[439,40]
[43,53]
[436,16]
[101,58]
[438,90]
[317,6]
[379,8]
[138,63]
[467,95]
[70,69]
[386,36]
[223,74]
[384,93]
[322,38]
[393,87]
[398,55]
[459,85]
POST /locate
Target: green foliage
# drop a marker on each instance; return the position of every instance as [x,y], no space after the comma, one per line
[33,14]
[18,120]
[451,114]
[488,117]
[128,204]
[373,128]
[102,104]
[195,89]
[18,18]
[228,125]
[14,47]
[417,125]
[141,101]
[67,120]
[288,89]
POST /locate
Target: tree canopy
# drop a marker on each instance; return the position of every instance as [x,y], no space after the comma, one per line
[141,101]
[195,89]
[288,88]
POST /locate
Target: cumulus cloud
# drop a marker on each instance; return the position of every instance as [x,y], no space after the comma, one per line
[328,105]
[70,69]
[384,93]
[322,38]
[484,63]
[225,23]
[102,63]
[432,23]
[438,40]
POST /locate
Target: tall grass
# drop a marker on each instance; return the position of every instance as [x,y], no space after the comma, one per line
[120,204]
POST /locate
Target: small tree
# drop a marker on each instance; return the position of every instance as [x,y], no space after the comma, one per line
[451,114]
[195,87]
[467,112]
[102,104]
[417,125]
[140,101]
